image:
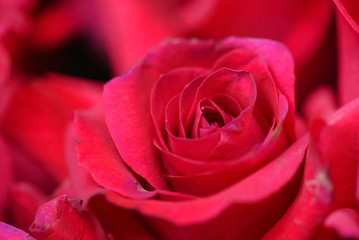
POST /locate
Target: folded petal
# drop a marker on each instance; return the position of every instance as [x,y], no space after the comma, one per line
[63,218]
[312,204]
[98,154]
[280,64]
[220,213]
[337,142]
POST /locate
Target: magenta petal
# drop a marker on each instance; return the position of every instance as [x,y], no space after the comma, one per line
[345,222]
[276,184]
[338,143]
[10,232]
[348,49]
[98,154]
[187,147]
[313,202]
[83,185]
[169,85]
[126,102]
[280,64]
[63,218]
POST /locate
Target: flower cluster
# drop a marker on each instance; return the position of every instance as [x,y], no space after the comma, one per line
[179,119]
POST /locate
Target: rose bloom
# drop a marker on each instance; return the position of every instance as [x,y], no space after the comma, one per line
[197,141]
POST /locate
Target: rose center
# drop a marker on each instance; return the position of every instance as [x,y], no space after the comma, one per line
[212,115]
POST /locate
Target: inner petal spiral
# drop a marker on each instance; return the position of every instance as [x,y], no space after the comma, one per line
[213,115]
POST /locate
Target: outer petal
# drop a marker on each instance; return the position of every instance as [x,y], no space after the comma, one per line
[337,142]
[312,204]
[63,218]
[219,216]
[127,109]
[38,114]
[98,154]
[348,49]
[10,232]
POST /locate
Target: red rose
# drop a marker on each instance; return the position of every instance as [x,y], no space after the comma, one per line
[198,138]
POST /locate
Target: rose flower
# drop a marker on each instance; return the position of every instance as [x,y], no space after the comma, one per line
[197,141]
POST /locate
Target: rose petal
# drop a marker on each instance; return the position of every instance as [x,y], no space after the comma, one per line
[280,65]
[98,154]
[164,89]
[312,204]
[348,49]
[220,175]
[183,146]
[38,115]
[245,60]
[271,147]
[128,117]
[25,200]
[320,104]
[122,224]
[337,142]
[63,218]
[345,222]
[10,232]
[59,16]
[191,218]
